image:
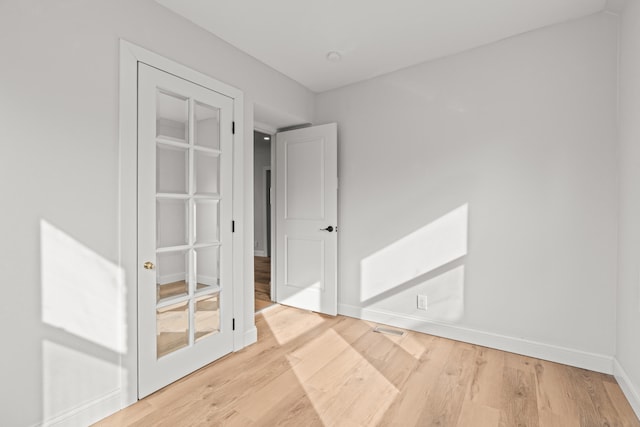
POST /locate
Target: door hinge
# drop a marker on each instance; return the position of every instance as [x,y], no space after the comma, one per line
[233,128]
[233,226]
[233,325]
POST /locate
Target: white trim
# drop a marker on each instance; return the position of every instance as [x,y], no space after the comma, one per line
[251,336]
[274,171]
[127,221]
[207,280]
[259,253]
[87,413]
[266,203]
[264,128]
[170,278]
[631,392]
[176,277]
[564,355]
[154,60]
[130,55]
[239,308]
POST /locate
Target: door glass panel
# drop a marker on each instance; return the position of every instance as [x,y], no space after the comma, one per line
[171,169]
[172,323]
[172,277]
[207,267]
[207,126]
[171,218]
[207,316]
[207,171]
[172,117]
[207,224]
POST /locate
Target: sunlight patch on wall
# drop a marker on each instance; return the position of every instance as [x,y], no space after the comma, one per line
[445,300]
[82,292]
[426,249]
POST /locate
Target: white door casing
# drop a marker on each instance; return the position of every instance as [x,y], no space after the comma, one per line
[306,218]
[185,296]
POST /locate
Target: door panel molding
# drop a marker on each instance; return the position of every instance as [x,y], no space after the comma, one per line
[306,218]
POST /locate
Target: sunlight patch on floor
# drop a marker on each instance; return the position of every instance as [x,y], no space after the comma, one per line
[357,379]
[410,343]
[277,321]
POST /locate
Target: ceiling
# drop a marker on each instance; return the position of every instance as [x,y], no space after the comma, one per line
[373,37]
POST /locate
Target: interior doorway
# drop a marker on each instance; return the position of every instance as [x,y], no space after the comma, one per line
[262,219]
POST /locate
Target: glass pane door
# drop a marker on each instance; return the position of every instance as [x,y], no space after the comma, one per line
[184,227]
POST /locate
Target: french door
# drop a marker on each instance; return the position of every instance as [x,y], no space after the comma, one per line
[184,227]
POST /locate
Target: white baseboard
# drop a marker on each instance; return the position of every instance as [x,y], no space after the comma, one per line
[631,392]
[177,277]
[553,353]
[207,280]
[259,253]
[87,413]
[171,278]
[251,336]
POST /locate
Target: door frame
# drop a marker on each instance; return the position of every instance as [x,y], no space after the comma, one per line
[271,131]
[130,56]
[269,244]
[274,173]
[266,223]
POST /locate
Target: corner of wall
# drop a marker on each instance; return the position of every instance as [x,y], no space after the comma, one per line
[630,390]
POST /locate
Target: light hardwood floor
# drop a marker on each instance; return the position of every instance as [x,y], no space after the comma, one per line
[262,272]
[312,370]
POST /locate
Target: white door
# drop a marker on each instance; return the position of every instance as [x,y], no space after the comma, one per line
[184,227]
[307,218]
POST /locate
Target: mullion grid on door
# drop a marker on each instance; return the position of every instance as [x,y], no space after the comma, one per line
[199,194]
[191,220]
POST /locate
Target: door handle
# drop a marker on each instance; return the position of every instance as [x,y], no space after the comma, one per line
[329,229]
[149,265]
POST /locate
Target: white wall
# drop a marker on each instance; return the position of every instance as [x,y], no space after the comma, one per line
[628,342]
[68,326]
[497,167]
[262,159]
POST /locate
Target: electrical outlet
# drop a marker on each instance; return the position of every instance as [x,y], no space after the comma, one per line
[422,302]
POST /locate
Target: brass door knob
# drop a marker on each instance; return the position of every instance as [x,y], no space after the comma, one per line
[149,265]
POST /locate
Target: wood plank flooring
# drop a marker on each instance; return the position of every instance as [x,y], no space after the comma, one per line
[313,370]
[262,272]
